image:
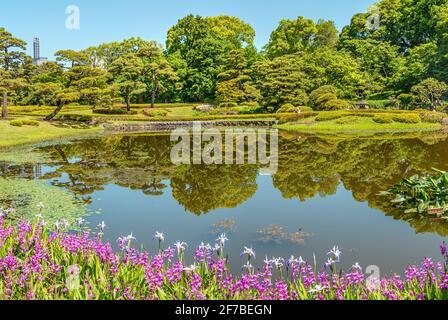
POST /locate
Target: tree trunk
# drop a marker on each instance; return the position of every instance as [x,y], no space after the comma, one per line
[128,103]
[5,106]
[55,112]
[153,98]
[154,89]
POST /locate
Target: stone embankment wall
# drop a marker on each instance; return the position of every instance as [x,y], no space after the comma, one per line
[172,125]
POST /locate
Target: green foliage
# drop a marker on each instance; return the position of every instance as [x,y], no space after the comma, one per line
[228,105]
[347,120]
[287,108]
[155,113]
[336,104]
[16,123]
[292,36]
[24,122]
[326,116]
[429,93]
[432,117]
[28,122]
[25,195]
[114,111]
[407,118]
[383,118]
[422,194]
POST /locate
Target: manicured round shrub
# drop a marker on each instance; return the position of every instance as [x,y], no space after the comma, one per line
[332,115]
[336,104]
[228,105]
[114,111]
[28,122]
[287,108]
[305,109]
[155,113]
[324,98]
[347,120]
[16,123]
[407,118]
[316,94]
[383,118]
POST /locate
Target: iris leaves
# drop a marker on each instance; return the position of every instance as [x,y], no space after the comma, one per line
[422,194]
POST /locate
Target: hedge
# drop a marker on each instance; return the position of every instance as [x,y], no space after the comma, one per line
[407,118]
[383,118]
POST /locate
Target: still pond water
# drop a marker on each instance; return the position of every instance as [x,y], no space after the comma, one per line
[323,194]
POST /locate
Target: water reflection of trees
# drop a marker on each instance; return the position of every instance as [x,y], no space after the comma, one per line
[308,166]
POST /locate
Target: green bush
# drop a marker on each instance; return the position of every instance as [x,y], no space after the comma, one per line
[295,117]
[331,115]
[155,113]
[324,98]
[16,123]
[28,122]
[316,94]
[75,117]
[432,117]
[287,108]
[377,104]
[225,111]
[407,118]
[347,120]
[114,111]
[228,105]
[336,104]
[251,104]
[305,109]
[383,118]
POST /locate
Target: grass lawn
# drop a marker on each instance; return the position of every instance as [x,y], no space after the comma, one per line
[358,124]
[11,136]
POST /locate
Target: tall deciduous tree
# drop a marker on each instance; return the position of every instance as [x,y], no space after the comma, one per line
[292,36]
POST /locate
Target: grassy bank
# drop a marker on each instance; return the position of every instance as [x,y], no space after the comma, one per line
[36,264]
[363,122]
[13,135]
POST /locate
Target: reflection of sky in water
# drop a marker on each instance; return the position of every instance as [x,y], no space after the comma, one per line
[365,235]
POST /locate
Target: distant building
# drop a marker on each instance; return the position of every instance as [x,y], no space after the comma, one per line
[37,59]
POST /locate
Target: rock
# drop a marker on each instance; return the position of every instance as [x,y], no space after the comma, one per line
[206,108]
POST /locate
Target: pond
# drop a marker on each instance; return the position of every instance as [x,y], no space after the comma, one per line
[324,193]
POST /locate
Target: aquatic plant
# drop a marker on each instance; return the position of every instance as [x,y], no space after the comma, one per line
[36,263]
[422,194]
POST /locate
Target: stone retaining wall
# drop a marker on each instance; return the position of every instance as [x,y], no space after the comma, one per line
[172,125]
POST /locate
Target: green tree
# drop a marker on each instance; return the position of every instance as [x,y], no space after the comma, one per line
[10,61]
[203,44]
[72,57]
[127,72]
[156,69]
[283,80]
[430,92]
[235,82]
[301,34]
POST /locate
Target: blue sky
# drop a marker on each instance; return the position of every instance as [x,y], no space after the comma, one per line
[112,20]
